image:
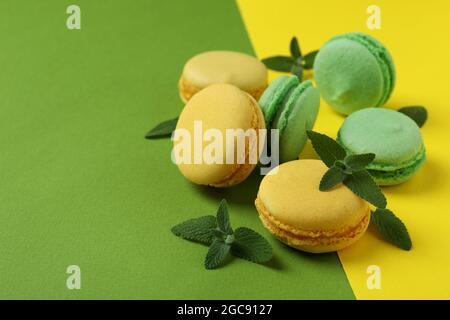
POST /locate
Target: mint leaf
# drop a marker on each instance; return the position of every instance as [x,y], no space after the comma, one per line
[391,228]
[295,48]
[223,219]
[297,70]
[279,63]
[250,245]
[198,229]
[216,231]
[216,254]
[362,184]
[328,150]
[359,161]
[308,59]
[418,113]
[331,178]
[164,129]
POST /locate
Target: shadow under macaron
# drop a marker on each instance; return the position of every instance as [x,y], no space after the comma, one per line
[243,193]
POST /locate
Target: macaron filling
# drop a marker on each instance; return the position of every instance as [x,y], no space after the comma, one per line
[287,104]
[315,240]
[388,177]
[274,95]
[381,55]
[292,108]
[393,173]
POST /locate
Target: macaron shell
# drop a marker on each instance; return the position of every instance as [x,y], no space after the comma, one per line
[239,69]
[383,57]
[393,137]
[274,95]
[298,115]
[348,76]
[218,107]
[292,196]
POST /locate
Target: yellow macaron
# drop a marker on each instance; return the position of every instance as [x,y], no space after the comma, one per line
[217,109]
[292,208]
[239,69]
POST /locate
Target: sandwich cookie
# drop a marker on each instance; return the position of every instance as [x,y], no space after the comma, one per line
[294,210]
[239,69]
[393,137]
[292,108]
[354,71]
[214,110]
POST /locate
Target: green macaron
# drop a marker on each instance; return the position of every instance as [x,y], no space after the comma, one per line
[393,137]
[354,71]
[292,108]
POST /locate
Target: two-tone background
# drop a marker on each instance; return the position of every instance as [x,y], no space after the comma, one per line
[79,185]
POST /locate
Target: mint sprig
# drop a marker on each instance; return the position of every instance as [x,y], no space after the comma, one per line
[350,169]
[163,129]
[295,63]
[391,228]
[217,232]
[418,113]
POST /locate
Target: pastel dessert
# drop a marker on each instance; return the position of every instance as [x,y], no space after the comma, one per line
[354,71]
[292,108]
[218,107]
[294,210]
[393,137]
[239,69]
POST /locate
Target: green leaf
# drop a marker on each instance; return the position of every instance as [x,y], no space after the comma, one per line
[328,150]
[391,228]
[216,254]
[250,245]
[362,184]
[308,59]
[164,129]
[223,219]
[418,113]
[279,63]
[198,229]
[359,161]
[297,70]
[331,178]
[295,48]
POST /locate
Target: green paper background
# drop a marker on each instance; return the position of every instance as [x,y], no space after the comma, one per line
[80,185]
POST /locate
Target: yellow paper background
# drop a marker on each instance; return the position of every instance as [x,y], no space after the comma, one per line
[417,34]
